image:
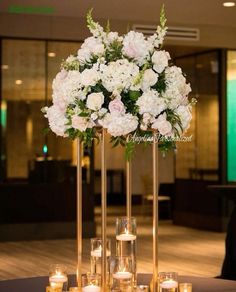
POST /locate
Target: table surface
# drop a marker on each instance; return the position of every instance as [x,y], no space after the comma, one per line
[38,284]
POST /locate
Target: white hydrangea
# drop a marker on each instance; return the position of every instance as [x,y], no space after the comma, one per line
[118,125]
[91,46]
[160,60]
[89,77]
[150,102]
[57,120]
[136,47]
[149,79]
[184,112]
[111,37]
[119,75]
[146,121]
[66,86]
[177,89]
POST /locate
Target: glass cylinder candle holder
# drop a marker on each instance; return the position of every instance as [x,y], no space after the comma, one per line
[142,288]
[74,289]
[185,287]
[53,289]
[96,255]
[91,283]
[121,272]
[126,234]
[58,277]
[168,282]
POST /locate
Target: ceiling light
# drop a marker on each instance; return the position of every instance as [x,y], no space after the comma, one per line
[18,82]
[51,54]
[5,67]
[229,4]
[199,66]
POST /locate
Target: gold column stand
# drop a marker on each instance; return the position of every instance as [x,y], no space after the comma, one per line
[155,210]
[79,213]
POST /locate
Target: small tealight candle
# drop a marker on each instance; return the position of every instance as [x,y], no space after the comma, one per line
[122,275]
[91,288]
[57,280]
[126,236]
[97,252]
[185,287]
[169,284]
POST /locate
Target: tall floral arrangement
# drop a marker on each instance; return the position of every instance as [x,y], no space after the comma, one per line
[125,84]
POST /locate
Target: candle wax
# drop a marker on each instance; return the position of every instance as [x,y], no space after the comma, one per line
[168,284]
[58,278]
[122,275]
[97,253]
[91,288]
[126,237]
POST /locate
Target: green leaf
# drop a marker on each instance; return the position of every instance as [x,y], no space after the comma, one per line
[134,95]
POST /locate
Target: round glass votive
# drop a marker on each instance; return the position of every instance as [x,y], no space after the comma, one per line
[96,255]
[168,281]
[121,274]
[185,287]
[91,282]
[58,276]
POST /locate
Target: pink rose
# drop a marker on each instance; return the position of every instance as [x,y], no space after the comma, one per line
[117,107]
[81,123]
[162,125]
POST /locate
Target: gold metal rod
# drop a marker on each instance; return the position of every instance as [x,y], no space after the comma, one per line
[155,211]
[104,211]
[128,189]
[79,213]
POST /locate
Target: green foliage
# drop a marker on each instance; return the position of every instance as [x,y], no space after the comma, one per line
[114,51]
[90,22]
[129,99]
[120,140]
[69,66]
[174,119]
[160,86]
[129,149]
[163,17]
[108,29]
[87,137]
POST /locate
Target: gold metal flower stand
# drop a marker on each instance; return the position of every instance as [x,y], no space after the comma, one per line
[154,287]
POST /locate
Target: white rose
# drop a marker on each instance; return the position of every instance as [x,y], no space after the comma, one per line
[89,77]
[160,60]
[162,125]
[81,123]
[149,79]
[95,101]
